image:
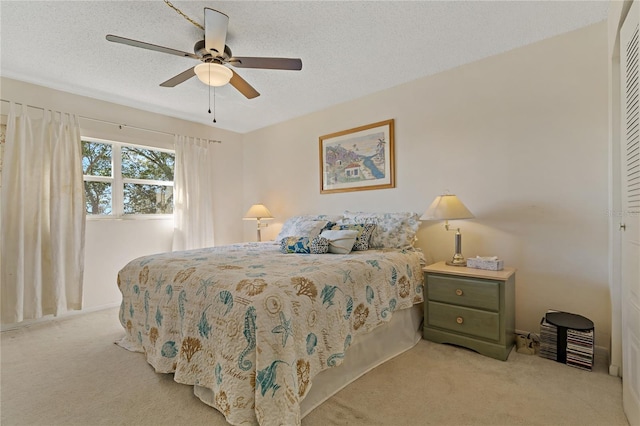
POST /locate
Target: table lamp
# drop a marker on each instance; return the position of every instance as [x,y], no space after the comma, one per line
[448,207]
[258,212]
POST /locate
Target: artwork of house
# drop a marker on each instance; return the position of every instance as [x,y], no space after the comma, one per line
[352,171]
[356,161]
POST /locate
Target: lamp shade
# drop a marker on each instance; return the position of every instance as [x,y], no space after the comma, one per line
[258,211]
[446,207]
[213,74]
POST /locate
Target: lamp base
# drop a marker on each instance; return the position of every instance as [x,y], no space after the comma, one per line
[458,260]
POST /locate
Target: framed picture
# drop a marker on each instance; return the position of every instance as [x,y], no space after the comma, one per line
[357,159]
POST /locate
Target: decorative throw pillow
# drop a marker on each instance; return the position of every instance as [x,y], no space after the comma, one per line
[340,241]
[364,233]
[393,230]
[318,245]
[301,227]
[328,226]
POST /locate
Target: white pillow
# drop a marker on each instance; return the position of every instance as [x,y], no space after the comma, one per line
[302,228]
[340,241]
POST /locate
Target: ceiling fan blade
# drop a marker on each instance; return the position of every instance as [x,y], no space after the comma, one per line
[215,31]
[243,87]
[149,46]
[180,78]
[293,64]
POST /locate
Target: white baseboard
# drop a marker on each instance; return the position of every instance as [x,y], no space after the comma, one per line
[614,370]
[47,318]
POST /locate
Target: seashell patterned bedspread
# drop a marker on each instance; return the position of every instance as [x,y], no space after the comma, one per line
[255,325]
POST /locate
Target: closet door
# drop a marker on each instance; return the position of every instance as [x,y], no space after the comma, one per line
[630,214]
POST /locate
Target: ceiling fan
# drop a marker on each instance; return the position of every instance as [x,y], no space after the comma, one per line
[215,55]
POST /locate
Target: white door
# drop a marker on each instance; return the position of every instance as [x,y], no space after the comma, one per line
[630,214]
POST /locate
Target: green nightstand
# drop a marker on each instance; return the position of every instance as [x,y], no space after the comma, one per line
[470,307]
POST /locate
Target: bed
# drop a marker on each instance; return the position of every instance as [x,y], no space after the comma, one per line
[264,334]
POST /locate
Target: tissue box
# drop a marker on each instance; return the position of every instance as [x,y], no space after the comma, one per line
[485,263]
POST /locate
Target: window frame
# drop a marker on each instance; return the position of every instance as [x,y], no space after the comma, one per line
[118,182]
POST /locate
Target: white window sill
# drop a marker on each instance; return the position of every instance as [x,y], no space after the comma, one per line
[95,217]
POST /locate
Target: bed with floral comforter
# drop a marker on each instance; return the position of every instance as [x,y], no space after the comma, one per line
[255,325]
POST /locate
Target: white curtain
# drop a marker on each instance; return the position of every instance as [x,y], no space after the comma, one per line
[193,194]
[43,216]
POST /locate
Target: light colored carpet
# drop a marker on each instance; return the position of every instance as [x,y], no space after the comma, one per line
[68,372]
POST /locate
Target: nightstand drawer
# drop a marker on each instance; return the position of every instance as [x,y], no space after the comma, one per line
[472,322]
[482,294]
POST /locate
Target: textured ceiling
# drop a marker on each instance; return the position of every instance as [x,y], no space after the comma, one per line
[348,49]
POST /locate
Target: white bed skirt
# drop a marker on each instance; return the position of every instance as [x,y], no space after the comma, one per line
[365,353]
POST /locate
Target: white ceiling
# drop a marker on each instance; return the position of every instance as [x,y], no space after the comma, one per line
[348,48]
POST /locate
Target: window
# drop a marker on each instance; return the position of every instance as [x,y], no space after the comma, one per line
[126,180]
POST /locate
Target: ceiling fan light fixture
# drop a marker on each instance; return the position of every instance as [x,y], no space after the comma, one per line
[213,74]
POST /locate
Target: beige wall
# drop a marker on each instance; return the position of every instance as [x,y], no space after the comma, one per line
[112,243]
[521,138]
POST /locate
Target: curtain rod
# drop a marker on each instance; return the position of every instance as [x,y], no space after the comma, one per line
[120,126]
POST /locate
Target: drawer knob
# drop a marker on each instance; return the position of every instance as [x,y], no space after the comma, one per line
[458,292]
[459,320]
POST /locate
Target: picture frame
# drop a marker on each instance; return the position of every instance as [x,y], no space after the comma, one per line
[358,159]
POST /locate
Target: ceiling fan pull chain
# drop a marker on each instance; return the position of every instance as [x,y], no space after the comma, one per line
[183,15]
[214,99]
[210,96]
